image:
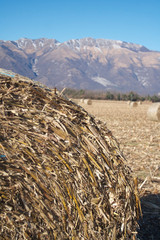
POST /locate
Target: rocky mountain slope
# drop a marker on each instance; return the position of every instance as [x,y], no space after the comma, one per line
[96,64]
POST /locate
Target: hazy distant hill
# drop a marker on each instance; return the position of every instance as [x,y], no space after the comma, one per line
[84,63]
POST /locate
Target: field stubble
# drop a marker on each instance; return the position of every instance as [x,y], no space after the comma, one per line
[139,138]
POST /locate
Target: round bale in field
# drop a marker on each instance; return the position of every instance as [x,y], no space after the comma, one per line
[88,101]
[133,104]
[82,100]
[63,175]
[153,112]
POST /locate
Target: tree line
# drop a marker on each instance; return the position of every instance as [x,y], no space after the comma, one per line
[102,95]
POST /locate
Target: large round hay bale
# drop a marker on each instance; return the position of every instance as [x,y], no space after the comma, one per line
[62,174]
[153,112]
[88,101]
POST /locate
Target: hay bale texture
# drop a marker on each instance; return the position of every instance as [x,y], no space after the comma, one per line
[62,174]
[153,112]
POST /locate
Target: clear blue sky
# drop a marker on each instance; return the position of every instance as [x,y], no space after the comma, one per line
[136,21]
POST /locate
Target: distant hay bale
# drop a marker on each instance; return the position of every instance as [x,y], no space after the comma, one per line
[62,175]
[82,100]
[133,104]
[88,101]
[153,112]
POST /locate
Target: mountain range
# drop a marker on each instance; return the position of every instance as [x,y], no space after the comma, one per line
[94,64]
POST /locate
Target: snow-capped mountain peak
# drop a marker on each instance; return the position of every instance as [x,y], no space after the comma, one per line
[85,63]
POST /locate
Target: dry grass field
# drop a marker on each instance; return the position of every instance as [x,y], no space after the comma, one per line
[139,140]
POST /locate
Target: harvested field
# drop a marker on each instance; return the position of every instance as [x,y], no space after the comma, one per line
[139,140]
